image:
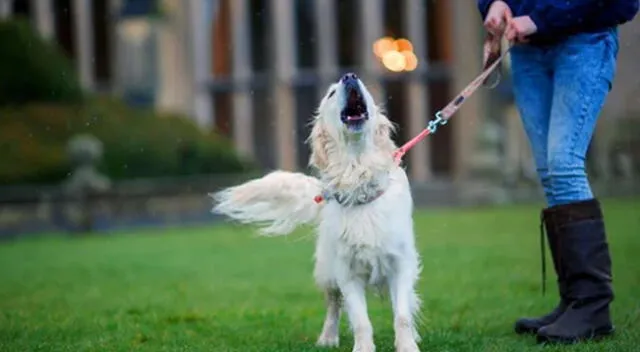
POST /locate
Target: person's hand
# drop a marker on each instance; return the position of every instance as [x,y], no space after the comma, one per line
[519,28]
[498,16]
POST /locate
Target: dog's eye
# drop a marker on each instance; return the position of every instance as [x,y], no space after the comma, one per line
[332,93]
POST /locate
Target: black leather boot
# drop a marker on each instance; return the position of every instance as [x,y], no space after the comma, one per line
[585,265]
[531,325]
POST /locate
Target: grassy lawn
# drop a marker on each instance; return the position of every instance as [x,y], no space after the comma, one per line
[223,289]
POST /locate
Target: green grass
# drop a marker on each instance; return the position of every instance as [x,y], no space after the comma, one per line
[223,289]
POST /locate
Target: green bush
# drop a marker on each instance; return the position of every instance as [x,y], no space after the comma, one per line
[137,143]
[33,69]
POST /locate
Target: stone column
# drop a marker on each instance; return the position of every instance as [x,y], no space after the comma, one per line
[372,28]
[44,18]
[6,7]
[241,61]
[83,31]
[515,142]
[466,65]
[284,60]
[327,38]
[518,161]
[419,157]
[114,41]
[175,88]
[201,60]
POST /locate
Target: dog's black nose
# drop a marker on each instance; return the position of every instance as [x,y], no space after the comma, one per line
[349,78]
[350,82]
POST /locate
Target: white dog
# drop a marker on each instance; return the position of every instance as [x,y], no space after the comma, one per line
[365,228]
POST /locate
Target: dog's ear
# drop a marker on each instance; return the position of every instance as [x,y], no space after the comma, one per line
[382,135]
[319,140]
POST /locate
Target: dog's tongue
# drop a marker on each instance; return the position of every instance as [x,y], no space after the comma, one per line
[354,117]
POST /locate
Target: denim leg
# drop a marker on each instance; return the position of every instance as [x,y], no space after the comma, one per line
[533,91]
[584,67]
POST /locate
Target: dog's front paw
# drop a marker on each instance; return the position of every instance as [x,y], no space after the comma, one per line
[408,346]
[328,341]
[364,347]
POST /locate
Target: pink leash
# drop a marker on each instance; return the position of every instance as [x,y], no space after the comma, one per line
[442,117]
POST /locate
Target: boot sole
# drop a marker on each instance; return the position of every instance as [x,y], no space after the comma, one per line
[524,330]
[596,335]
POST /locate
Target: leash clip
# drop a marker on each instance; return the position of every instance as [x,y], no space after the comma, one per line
[438,121]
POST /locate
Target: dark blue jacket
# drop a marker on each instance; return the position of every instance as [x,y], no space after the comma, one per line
[556,19]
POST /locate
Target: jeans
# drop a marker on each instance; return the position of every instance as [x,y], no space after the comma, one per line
[560,90]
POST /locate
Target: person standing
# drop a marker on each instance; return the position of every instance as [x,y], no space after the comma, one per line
[563,64]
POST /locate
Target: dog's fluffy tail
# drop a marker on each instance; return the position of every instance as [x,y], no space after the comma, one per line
[278,202]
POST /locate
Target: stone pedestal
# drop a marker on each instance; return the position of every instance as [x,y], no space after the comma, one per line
[84,182]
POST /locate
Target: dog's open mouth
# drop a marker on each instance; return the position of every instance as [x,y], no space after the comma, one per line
[355,111]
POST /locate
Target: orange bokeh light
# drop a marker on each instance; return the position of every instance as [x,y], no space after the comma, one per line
[383,45]
[403,44]
[396,54]
[394,61]
[411,60]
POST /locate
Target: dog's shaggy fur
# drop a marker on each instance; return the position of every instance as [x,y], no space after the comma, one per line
[367,238]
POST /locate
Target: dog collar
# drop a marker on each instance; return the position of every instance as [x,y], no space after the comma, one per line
[344,201]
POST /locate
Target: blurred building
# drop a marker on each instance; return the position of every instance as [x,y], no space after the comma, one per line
[256,69]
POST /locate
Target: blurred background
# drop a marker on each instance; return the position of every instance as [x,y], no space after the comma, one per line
[126,113]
